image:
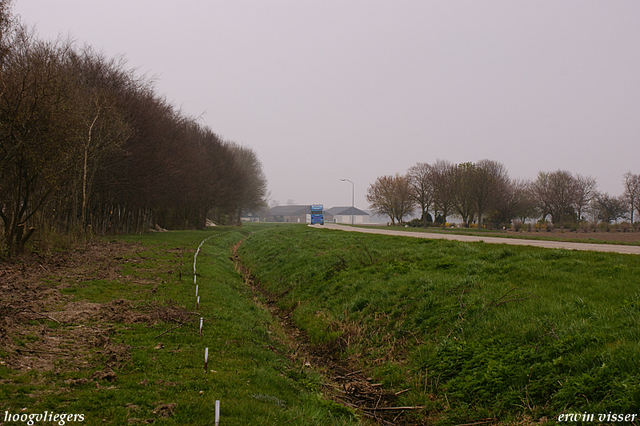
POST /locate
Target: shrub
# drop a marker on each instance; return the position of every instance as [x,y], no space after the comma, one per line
[625,226]
[415,223]
[418,222]
[517,225]
[571,226]
[548,226]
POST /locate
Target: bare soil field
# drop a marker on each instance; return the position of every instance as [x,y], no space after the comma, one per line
[42,329]
[627,237]
[555,240]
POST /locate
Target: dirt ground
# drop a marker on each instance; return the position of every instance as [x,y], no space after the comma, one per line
[42,329]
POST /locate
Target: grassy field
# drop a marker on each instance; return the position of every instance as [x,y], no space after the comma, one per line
[120,343]
[472,332]
[622,238]
[456,333]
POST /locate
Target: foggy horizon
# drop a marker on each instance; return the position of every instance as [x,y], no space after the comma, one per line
[356,90]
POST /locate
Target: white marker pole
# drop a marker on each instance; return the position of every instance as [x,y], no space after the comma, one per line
[217,418]
[206,358]
[198,303]
[201,319]
[196,290]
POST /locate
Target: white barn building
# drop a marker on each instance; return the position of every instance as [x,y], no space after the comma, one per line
[349,215]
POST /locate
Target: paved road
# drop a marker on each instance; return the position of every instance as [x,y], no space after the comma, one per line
[491,240]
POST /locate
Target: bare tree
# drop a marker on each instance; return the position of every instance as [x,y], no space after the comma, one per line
[610,208]
[35,142]
[391,196]
[489,186]
[380,196]
[464,176]
[443,179]
[632,193]
[100,125]
[84,142]
[556,194]
[422,188]
[586,189]
[540,193]
[251,194]
[7,28]
[518,202]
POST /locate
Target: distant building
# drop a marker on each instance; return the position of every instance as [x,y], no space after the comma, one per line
[301,214]
[288,214]
[345,215]
[292,214]
[251,216]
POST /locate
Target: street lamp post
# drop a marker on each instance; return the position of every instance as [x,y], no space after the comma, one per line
[352,196]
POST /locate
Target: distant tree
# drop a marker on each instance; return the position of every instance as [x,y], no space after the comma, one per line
[586,187]
[610,208]
[522,194]
[443,180]
[540,193]
[391,196]
[380,196]
[517,203]
[463,187]
[252,188]
[85,145]
[421,189]
[489,186]
[556,194]
[632,193]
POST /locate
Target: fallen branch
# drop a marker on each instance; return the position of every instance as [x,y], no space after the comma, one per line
[37,352]
[290,420]
[167,331]
[477,423]
[41,314]
[418,407]
[411,332]
[515,300]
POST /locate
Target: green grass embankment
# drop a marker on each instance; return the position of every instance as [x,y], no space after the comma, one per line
[476,331]
[147,362]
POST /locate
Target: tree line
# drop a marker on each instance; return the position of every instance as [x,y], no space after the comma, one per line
[86,145]
[483,193]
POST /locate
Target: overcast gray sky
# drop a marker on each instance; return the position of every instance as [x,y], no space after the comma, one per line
[324,90]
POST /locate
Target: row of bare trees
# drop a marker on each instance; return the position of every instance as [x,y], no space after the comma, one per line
[88,146]
[483,193]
